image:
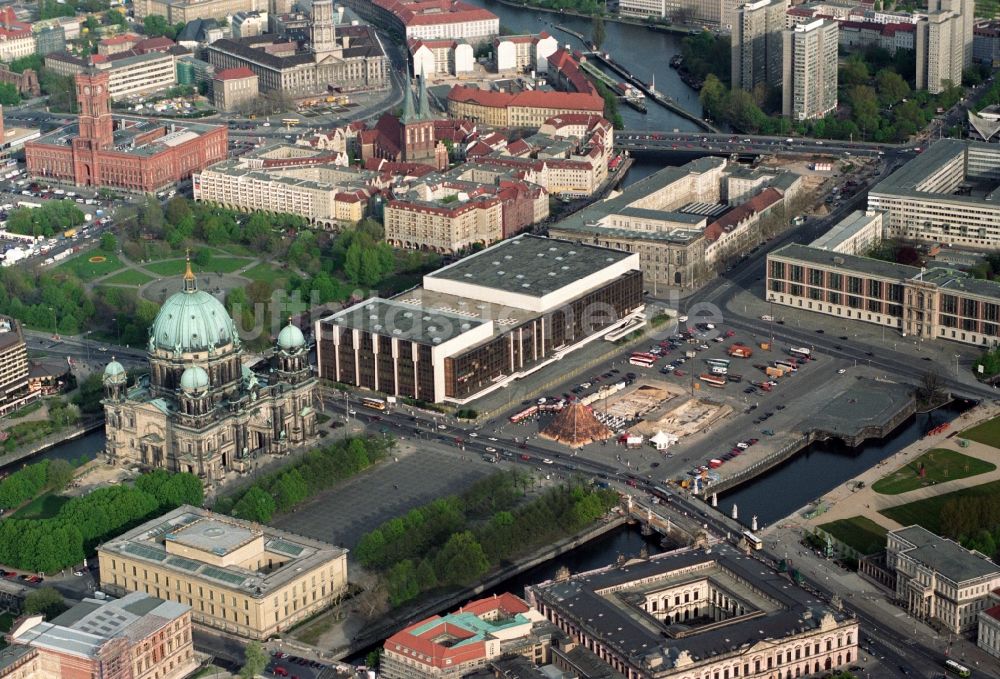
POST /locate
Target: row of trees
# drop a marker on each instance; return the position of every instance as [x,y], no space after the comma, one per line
[48,220]
[707,53]
[47,545]
[33,479]
[974,522]
[454,541]
[315,472]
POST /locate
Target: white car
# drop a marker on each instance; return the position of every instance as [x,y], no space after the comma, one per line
[842,371]
[473,435]
[742,445]
[442,426]
[493,438]
[546,461]
[490,449]
[682,319]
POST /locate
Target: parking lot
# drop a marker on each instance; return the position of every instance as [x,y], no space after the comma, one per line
[289,666]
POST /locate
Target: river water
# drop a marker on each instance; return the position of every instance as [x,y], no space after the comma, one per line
[644,52]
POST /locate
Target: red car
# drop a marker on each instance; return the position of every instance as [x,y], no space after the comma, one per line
[281,671]
[679,373]
[526,458]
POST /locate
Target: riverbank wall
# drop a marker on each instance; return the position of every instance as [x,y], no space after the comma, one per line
[617,19]
[387,626]
[50,441]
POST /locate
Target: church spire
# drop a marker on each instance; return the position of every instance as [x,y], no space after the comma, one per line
[190,283]
[424,106]
[408,112]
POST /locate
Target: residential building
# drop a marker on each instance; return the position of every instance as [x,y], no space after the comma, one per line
[183,11]
[938,64]
[446,56]
[236,576]
[117,43]
[861,35]
[14,390]
[698,613]
[809,83]
[442,217]
[233,88]
[432,19]
[944,195]
[142,636]
[988,637]
[346,57]
[202,410]
[140,74]
[933,303]
[16,37]
[316,185]
[530,108]
[856,234]
[676,219]
[938,580]
[50,39]
[678,11]
[484,630]
[130,153]
[524,53]
[482,322]
[986,43]
[756,44]
[964,28]
[248,24]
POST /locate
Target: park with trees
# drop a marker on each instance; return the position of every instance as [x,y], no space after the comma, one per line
[454,541]
[316,471]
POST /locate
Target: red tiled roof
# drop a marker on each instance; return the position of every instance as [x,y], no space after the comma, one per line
[431,12]
[573,101]
[120,39]
[764,199]
[993,612]
[154,44]
[237,73]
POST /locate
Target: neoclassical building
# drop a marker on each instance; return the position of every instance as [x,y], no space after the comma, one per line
[201,409]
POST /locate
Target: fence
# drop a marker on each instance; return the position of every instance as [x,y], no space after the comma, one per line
[760,466]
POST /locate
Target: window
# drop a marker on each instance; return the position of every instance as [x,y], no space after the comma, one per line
[795,273]
[854,285]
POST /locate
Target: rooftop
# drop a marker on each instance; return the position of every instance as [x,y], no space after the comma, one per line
[908,181]
[844,229]
[405,320]
[530,265]
[130,135]
[198,527]
[946,557]
[606,603]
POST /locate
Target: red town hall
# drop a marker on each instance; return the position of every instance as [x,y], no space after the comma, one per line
[125,152]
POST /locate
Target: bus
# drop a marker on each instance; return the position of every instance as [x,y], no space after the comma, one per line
[799,352]
[960,670]
[375,403]
[752,540]
[641,361]
[720,362]
[290,122]
[787,366]
[642,354]
[524,414]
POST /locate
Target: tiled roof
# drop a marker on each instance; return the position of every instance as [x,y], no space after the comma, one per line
[235,73]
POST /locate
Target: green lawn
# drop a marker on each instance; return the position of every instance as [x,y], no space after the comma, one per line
[86,270]
[858,532]
[128,277]
[940,465]
[175,267]
[42,507]
[927,513]
[266,271]
[987,433]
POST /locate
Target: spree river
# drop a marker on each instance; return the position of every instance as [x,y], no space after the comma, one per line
[644,52]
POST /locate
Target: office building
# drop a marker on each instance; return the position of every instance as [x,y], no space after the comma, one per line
[138,636]
[938,580]
[933,303]
[694,613]
[856,234]
[809,83]
[944,195]
[678,220]
[432,19]
[236,576]
[756,44]
[986,43]
[679,11]
[482,322]
[201,409]
[454,645]
[988,636]
[130,153]
[13,366]
[234,88]
[50,39]
[183,11]
[248,24]
[344,57]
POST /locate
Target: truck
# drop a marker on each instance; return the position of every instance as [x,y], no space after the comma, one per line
[740,351]
[718,369]
[715,463]
[69,233]
[713,380]
[773,372]
[691,354]
[733,377]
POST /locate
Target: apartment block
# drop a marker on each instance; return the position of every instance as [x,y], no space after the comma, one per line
[757,44]
[809,67]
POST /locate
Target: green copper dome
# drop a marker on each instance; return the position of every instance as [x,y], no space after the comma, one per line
[291,338]
[194,378]
[192,320]
[114,372]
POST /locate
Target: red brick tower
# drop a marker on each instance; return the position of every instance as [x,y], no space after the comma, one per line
[95,109]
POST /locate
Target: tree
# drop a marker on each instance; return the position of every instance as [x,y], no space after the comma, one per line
[108,242]
[254,660]
[9,96]
[155,26]
[854,71]
[59,474]
[597,33]
[892,87]
[45,600]
[461,560]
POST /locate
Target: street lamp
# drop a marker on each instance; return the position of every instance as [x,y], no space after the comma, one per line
[55,324]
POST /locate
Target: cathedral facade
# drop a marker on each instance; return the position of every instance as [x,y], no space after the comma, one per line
[201,409]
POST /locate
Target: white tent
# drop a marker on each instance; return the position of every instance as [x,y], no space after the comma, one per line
[663,440]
